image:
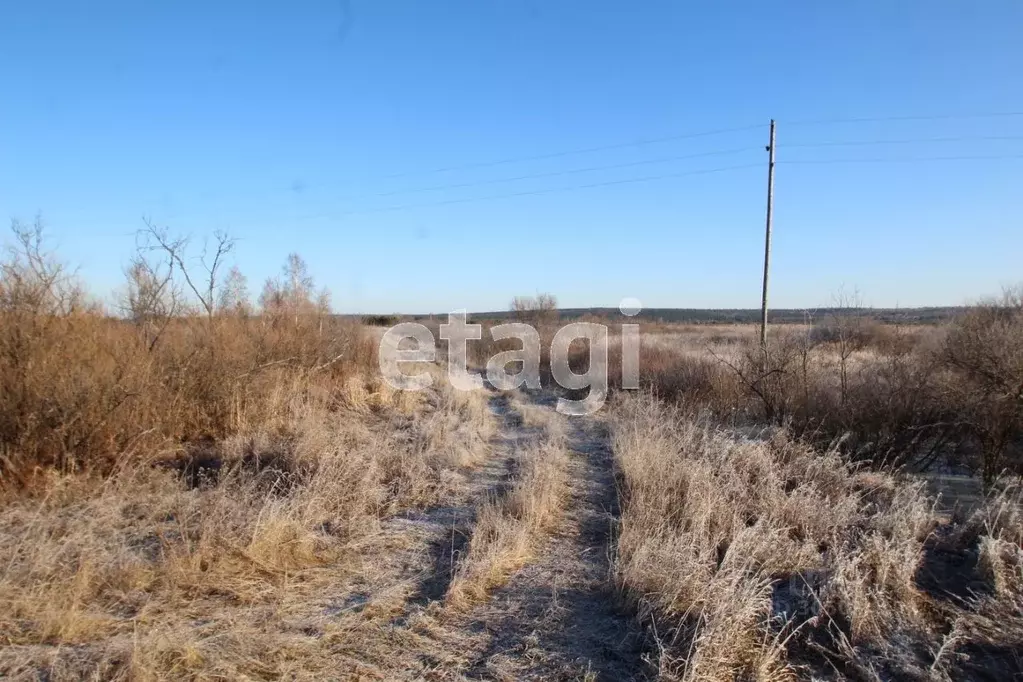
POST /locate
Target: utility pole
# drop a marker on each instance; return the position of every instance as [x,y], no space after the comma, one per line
[767,238]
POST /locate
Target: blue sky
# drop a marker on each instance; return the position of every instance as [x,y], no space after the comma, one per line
[293,125]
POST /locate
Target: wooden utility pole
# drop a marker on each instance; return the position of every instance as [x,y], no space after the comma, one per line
[767,238]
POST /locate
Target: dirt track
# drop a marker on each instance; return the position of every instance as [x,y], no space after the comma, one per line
[555,618]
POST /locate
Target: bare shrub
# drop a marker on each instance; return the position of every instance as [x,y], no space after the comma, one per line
[888,394]
[80,388]
[540,310]
[678,376]
[984,349]
[769,374]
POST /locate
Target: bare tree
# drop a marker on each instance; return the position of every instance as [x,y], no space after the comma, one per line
[804,345]
[537,310]
[32,280]
[292,293]
[845,328]
[211,260]
[271,298]
[234,293]
[151,298]
[299,284]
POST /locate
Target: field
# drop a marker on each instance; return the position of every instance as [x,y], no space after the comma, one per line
[196,487]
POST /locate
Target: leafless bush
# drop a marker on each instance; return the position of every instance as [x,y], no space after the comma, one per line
[539,310]
[678,377]
[81,388]
[895,396]
[984,350]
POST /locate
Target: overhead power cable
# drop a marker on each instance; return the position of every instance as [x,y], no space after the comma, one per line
[572,152]
[552,190]
[919,140]
[570,171]
[923,117]
[642,179]
[705,133]
[693,135]
[917,159]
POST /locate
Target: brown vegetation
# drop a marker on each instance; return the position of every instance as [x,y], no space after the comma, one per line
[193,482]
[539,310]
[915,397]
[760,559]
[80,388]
[148,575]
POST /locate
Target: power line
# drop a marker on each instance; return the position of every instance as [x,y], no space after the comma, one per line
[924,117]
[656,140]
[647,178]
[571,171]
[903,160]
[448,202]
[856,143]
[572,152]
[693,135]
[705,133]
[552,155]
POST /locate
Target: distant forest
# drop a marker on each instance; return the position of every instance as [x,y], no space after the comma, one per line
[719,315]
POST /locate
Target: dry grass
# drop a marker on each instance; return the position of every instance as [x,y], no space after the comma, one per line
[752,559]
[141,576]
[199,490]
[509,526]
[899,396]
[190,490]
[546,421]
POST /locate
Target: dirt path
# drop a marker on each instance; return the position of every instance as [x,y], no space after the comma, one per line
[407,566]
[557,617]
[451,524]
[425,544]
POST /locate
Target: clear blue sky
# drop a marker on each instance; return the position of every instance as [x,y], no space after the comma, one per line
[282,122]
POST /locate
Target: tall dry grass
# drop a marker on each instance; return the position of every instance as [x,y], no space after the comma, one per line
[143,576]
[757,558]
[190,484]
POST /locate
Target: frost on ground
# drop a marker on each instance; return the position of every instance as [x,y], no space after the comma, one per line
[465,536]
[765,560]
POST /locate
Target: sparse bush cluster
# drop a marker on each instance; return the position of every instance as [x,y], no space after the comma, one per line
[381,320]
[896,396]
[539,310]
[187,358]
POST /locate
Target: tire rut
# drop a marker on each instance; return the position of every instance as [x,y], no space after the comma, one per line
[557,617]
[455,522]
